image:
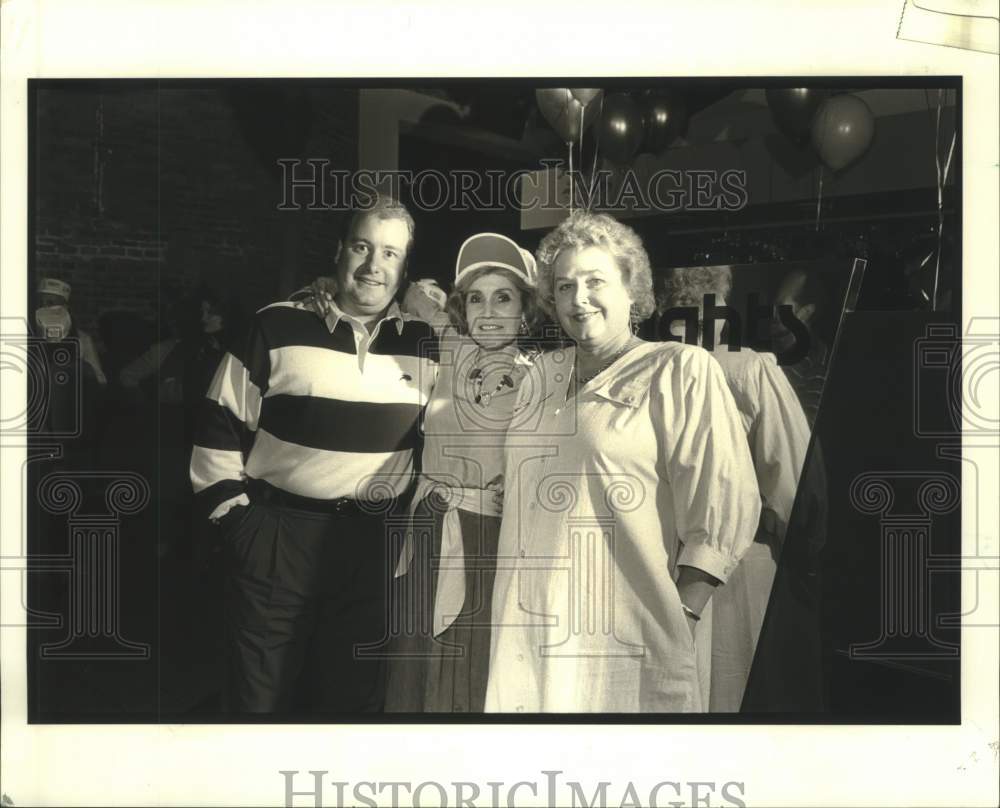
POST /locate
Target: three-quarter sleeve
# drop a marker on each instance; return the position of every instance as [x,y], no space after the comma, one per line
[706,462]
[779,439]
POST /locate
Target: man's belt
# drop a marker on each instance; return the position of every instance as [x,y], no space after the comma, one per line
[261,491]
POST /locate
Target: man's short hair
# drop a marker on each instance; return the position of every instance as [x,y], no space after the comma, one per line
[384,207]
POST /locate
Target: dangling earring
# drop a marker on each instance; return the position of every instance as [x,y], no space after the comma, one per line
[633,320]
[522,329]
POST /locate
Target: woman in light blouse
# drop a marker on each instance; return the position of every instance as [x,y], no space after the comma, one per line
[629,496]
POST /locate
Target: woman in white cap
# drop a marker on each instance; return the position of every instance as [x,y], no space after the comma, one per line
[447,567]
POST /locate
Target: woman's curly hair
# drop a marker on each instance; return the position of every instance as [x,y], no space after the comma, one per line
[583,230]
[688,286]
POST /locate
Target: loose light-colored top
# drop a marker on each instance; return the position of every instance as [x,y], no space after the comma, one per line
[463,452]
[464,440]
[647,468]
[778,435]
[775,425]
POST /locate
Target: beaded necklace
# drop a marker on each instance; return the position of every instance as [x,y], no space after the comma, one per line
[478,375]
[582,380]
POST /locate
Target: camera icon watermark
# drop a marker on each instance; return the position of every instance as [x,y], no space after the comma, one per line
[955,375]
[52,406]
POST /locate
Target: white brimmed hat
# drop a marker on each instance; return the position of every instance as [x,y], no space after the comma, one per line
[53,286]
[494,250]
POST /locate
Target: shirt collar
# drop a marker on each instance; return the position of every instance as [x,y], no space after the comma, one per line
[631,383]
[391,313]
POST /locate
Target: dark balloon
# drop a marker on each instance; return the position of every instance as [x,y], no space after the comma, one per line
[842,131]
[620,130]
[793,110]
[665,117]
[562,106]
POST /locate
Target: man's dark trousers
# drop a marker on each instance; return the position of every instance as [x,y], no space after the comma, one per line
[305,593]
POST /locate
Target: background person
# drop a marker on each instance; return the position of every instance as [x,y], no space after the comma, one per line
[170,380]
[74,381]
[66,394]
[778,436]
[807,296]
[426,300]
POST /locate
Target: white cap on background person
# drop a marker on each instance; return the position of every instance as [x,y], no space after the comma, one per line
[430,287]
[54,286]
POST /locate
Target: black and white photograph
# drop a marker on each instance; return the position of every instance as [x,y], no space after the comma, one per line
[385,410]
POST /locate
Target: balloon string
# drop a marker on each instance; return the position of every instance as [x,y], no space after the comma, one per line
[942,177]
[819,197]
[569,148]
[591,190]
[580,143]
[940,204]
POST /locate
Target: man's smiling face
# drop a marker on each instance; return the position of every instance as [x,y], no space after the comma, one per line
[370,265]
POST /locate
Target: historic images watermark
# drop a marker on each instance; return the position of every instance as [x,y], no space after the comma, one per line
[312,788]
[312,184]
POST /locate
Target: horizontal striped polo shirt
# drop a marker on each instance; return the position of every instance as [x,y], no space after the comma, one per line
[317,408]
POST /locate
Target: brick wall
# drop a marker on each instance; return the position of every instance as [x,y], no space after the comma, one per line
[142,194]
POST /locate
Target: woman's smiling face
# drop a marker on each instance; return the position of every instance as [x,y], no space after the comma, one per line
[591,299]
[493,309]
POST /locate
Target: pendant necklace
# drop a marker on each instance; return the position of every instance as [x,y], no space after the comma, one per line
[477,376]
[582,380]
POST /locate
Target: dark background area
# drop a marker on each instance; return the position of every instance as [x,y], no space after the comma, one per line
[143,193]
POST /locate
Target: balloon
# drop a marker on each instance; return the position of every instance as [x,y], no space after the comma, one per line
[620,129]
[664,116]
[561,108]
[842,130]
[793,110]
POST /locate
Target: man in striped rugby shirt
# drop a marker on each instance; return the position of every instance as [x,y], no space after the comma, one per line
[306,442]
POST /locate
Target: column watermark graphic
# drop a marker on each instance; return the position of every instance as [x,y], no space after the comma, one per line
[93,561]
[953,374]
